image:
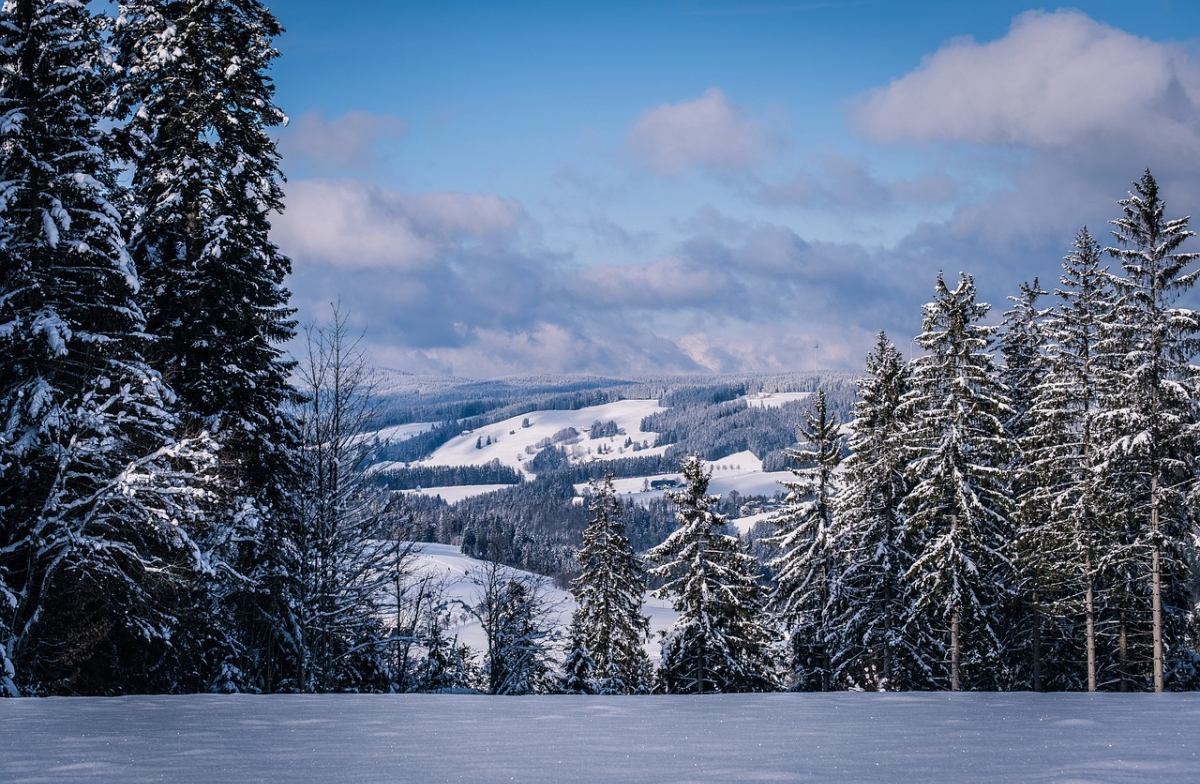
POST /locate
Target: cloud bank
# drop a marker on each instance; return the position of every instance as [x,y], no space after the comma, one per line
[1058,116]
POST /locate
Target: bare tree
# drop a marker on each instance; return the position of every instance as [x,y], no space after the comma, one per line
[347,545]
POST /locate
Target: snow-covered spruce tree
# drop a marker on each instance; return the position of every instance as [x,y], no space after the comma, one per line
[719,643]
[610,590]
[196,103]
[341,546]
[579,671]
[877,645]
[96,495]
[1151,430]
[444,668]
[958,505]
[1062,457]
[1037,651]
[808,563]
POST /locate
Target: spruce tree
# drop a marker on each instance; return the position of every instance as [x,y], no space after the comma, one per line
[807,563]
[1022,343]
[96,495]
[1063,454]
[719,642]
[878,646]
[958,504]
[1151,425]
[610,590]
[197,105]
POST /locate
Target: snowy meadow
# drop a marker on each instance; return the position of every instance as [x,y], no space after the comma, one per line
[927,737]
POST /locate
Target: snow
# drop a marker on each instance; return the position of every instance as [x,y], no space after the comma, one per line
[773,399]
[741,472]
[514,445]
[402,432]
[446,564]
[744,524]
[916,737]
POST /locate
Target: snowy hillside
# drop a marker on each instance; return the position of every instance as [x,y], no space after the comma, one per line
[457,574]
[514,441]
[1019,738]
[741,472]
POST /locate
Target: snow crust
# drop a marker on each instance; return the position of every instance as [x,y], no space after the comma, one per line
[915,737]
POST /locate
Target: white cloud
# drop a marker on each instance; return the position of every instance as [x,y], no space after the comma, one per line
[1054,79]
[708,132]
[351,224]
[348,143]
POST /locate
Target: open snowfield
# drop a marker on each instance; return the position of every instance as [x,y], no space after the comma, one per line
[961,738]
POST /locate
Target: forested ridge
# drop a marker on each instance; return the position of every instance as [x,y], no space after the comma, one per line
[184,507]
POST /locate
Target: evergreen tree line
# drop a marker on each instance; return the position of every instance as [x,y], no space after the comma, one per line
[417,476]
[174,514]
[1028,523]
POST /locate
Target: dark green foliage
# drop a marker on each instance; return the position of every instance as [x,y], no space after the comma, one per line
[608,629]
[719,642]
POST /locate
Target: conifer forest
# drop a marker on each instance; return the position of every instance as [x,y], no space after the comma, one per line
[185,504]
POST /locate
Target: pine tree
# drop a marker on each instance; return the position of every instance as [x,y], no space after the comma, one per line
[877,647]
[96,495]
[197,104]
[1022,343]
[609,624]
[1063,455]
[719,642]
[807,563]
[1151,425]
[958,504]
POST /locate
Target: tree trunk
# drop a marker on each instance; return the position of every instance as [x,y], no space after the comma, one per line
[1156,586]
[955,684]
[1090,616]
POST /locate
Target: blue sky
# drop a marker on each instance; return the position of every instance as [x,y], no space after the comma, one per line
[626,187]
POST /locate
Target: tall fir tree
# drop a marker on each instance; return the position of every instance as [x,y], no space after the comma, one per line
[197,104]
[719,643]
[1034,648]
[1151,428]
[1063,455]
[96,494]
[958,505]
[609,625]
[807,564]
[878,647]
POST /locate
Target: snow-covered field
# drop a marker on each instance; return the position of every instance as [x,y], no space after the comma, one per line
[513,445]
[742,472]
[774,399]
[961,738]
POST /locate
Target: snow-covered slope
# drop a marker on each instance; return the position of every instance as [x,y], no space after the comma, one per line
[514,444]
[459,574]
[742,472]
